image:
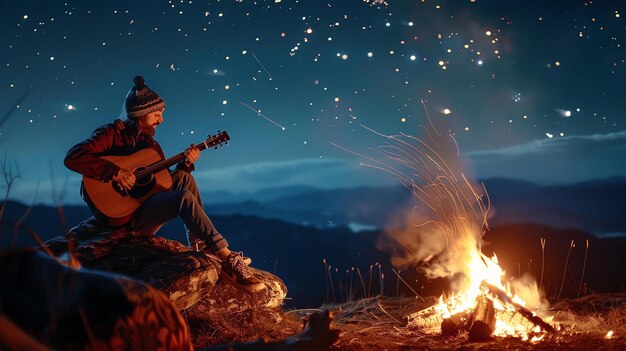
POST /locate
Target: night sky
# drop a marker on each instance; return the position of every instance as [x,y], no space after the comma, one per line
[532,90]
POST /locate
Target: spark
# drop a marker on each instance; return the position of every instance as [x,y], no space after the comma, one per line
[224,102]
[446,111]
[262,115]
[564,113]
[370,54]
[71,107]
[257,60]
[609,335]
[413,57]
[549,135]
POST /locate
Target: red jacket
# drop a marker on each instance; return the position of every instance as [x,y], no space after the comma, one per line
[113,139]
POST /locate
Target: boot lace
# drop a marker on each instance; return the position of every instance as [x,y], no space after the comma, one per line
[236,261]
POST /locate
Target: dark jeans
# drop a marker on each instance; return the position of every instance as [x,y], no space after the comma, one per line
[184,201]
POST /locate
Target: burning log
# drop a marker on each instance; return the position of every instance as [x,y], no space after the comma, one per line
[528,314]
[453,325]
[428,318]
[483,321]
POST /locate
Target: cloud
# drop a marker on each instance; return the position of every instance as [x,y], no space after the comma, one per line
[552,144]
[322,173]
[556,160]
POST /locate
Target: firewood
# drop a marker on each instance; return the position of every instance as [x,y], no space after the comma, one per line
[428,318]
[453,325]
[528,314]
[483,320]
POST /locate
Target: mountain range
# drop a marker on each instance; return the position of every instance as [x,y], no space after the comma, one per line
[307,236]
[594,206]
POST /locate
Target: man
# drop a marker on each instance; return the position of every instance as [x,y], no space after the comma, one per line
[144,112]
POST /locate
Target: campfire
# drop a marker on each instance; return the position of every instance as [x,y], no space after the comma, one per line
[442,236]
[485,309]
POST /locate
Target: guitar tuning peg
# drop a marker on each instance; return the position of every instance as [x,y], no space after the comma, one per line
[216,147]
[226,143]
[218,131]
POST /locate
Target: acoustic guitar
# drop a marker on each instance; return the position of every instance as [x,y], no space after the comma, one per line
[114,205]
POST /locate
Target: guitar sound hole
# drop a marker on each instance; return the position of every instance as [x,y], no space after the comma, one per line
[144,180]
[143,185]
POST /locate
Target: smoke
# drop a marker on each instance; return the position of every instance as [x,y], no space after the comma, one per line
[450,211]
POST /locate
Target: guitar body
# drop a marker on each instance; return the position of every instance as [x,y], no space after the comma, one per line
[116,206]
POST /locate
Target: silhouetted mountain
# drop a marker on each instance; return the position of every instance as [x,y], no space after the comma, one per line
[373,206]
[296,253]
[263,195]
[594,206]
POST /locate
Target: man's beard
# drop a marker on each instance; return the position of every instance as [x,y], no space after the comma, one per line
[149,130]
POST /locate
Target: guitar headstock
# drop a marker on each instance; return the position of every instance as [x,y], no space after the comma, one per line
[218,140]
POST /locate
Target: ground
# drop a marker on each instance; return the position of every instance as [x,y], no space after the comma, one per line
[379,324]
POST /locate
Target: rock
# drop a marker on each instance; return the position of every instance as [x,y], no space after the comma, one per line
[225,299]
[60,308]
[184,275]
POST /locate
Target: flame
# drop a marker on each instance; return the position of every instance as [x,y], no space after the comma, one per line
[481,268]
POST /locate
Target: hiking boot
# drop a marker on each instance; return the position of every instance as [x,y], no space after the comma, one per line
[239,274]
[201,247]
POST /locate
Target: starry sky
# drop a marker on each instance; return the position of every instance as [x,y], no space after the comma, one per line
[532,90]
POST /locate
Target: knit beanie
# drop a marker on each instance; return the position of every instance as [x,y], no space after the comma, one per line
[142,100]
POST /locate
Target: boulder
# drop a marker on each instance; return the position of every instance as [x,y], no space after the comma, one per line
[49,306]
[186,276]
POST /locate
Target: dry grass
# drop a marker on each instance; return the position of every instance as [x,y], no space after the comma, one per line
[242,327]
[378,323]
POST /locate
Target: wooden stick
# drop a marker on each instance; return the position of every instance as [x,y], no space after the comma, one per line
[528,314]
[483,321]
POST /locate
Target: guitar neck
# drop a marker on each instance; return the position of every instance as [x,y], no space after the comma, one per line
[167,163]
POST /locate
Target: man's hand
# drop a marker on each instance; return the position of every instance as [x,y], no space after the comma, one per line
[192,153]
[125,179]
